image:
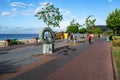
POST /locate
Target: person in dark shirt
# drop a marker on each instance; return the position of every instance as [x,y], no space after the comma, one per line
[98,36]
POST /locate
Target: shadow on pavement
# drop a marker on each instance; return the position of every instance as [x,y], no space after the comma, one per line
[64,50]
[5,67]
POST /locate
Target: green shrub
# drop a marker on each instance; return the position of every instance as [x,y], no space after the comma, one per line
[115,37]
[14,42]
[19,42]
[116,43]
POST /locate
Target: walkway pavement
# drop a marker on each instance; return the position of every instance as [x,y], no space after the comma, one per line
[14,57]
[95,63]
[81,62]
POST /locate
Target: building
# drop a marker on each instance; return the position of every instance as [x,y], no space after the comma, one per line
[102,27]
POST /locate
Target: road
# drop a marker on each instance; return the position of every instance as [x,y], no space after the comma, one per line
[19,57]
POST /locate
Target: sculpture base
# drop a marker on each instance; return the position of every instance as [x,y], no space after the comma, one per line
[48,48]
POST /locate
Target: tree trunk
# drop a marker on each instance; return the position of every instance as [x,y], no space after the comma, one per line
[118,32]
[114,32]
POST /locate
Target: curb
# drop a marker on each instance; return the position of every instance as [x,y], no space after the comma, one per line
[115,72]
[116,76]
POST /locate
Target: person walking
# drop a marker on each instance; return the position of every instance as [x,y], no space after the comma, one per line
[98,36]
[89,38]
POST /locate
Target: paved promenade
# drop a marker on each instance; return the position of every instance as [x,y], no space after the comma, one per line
[93,64]
[80,62]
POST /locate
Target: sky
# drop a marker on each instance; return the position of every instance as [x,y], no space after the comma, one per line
[17,16]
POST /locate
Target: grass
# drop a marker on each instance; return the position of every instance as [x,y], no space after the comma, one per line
[116,52]
[116,43]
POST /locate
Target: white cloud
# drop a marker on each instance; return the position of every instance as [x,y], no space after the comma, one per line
[65,23]
[81,21]
[9,14]
[41,7]
[37,10]
[27,12]
[14,12]
[44,3]
[30,4]
[20,4]
[65,12]
[14,9]
[4,13]
[63,26]
[110,0]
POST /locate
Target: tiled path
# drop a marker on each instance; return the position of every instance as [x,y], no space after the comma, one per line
[93,64]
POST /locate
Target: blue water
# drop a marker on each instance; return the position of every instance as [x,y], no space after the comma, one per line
[17,36]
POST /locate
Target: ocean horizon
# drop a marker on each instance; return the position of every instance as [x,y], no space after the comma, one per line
[18,36]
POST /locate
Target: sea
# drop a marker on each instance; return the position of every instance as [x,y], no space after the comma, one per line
[18,36]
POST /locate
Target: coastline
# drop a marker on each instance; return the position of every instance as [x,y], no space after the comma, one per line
[18,36]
